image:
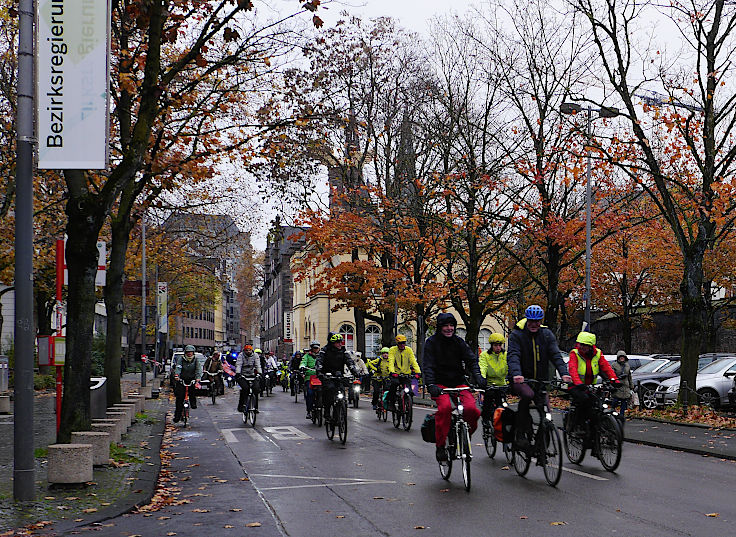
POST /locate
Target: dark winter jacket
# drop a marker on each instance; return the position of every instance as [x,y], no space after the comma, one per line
[446,360]
[529,355]
[333,360]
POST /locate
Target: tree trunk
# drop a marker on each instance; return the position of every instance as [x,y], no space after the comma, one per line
[83,229]
[44,310]
[693,310]
[359,316]
[114,307]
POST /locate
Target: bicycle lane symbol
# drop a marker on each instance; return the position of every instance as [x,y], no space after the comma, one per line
[276,433]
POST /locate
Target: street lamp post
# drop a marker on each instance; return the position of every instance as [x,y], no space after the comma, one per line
[574,108]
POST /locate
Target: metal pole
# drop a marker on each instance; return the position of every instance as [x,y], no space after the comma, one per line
[588,210]
[143,298]
[157,323]
[23,460]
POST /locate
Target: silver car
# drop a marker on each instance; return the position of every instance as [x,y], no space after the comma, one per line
[712,384]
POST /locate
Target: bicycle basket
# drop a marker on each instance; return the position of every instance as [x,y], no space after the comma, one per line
[503,424]
[427,429]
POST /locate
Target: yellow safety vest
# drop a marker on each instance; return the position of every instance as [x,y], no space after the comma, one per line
[595,365]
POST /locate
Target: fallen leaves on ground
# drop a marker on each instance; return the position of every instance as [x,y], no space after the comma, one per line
[558,523]
[419,527]
[696,414]
[714,515]
[90,510]
[444,490]
[228,526]
[200,510]
[165,493]
[523,517]
[235,510]
[253,525]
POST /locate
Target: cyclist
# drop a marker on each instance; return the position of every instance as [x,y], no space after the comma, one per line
[380,368]
[586,364]
[532,347]
[446,358]
[332,359]
[213,365]
[248,365]
[494,368]
[307,365]
[187,368]
[401,360]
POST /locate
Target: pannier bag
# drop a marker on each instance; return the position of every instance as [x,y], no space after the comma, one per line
[503,424]
[428,429]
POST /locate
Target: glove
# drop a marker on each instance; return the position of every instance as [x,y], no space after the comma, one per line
[482,383]
[615,382]
[394,375]
[434,390]
[417,375]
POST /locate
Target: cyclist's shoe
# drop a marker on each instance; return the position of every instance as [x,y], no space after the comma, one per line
[441,454]
[375,407]
[521,443]
[194,405]
[177,419]
[309,415]
[257,411]
[240,408]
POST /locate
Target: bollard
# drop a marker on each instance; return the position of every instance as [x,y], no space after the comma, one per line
[686,400]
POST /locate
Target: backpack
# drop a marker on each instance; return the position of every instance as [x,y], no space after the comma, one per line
[503,424]
[427,429]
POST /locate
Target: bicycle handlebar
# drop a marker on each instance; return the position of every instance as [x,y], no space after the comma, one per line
[451,390]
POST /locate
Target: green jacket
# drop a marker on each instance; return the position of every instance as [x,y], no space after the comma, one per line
[494,368]
[308,362]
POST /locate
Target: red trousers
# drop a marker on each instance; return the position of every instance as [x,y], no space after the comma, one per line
[444,409]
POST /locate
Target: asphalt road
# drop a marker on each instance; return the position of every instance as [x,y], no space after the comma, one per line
[385,481]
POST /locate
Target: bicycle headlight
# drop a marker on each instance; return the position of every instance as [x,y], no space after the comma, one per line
[505,404]
[460,408]
[356,389]
[548,416]
[186,405]
[406,390]
[605,405]
[340,395]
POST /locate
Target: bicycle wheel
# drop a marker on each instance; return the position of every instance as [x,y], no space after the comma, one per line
[213,391]
[342,422]
[552,450]
[407,414]
[185,416]
[252,410]
[521,461]
[396,416]
[330,425]
[609,443]
[509,452]
[446,466]
[489,440]
[356,399]
[465,455]
[574,439]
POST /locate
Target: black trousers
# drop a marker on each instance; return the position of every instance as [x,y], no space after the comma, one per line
[245,388]
[179,391]
[491,401]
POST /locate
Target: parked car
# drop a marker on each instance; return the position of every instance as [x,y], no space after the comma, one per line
[649,381]
[712,384]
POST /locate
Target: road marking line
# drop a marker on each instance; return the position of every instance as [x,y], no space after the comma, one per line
[228,435]
[320,477]
[328,485]
[584,474]
[287,433]
[253,434]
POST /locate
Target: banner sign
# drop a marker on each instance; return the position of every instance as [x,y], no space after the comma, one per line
[101,274]
[287,327]
[162,306]
[72,84]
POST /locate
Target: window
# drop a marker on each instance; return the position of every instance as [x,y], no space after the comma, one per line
[372,341]
[483,336]
[461,333]
[348,334]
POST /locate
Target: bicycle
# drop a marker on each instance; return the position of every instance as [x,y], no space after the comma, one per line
[354,393]
[339,418]
[185,412]
[544,440]
[297,378]
[249,407]
[212,385]
[269,381]
[601,432]
[381,412]
[458,440]
[489,438]
[317,406]
[404,403]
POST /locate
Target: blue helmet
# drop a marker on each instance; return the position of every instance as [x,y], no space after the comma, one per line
[534,313]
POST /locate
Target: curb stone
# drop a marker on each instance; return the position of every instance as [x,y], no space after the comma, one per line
[146,479]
